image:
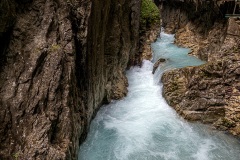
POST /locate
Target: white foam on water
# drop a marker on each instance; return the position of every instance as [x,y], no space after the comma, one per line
[142,126]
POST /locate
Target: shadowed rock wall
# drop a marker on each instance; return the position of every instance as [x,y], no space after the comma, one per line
[62,61]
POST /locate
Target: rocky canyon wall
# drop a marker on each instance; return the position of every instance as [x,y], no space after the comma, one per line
[60,61]
[209,93]
[149,28]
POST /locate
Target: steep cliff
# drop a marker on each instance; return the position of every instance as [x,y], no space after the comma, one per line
[149,28]
[60,61]
[209,93]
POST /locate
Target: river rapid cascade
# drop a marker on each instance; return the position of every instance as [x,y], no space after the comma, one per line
[142,126]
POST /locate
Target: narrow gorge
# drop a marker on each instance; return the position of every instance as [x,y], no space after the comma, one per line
[76,80]
[209,93]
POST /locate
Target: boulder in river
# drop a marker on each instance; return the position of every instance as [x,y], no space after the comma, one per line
[159,61]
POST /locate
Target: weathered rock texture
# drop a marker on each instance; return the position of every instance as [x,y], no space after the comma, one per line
[149,28]
[147,37]
[62,61]
[197,25]
[209,93]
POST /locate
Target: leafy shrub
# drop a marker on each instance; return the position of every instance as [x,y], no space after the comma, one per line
[149,13]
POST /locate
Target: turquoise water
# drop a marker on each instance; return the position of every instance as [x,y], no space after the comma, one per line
[142,126]
[176,57]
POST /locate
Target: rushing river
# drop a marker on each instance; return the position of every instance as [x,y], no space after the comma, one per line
[142,126]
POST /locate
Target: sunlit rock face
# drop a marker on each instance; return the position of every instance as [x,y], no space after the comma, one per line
[60,61]
[209,93]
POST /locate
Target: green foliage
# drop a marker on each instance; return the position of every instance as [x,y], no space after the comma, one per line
[149,13]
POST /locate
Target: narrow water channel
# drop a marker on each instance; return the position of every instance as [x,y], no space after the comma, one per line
[142,126]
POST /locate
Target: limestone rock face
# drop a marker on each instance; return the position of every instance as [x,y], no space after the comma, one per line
[208,93]
[62,61]
[197,25]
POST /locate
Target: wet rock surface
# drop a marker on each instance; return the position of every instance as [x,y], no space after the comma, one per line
[62,61]
[156,65]
[146,39]
[208,93]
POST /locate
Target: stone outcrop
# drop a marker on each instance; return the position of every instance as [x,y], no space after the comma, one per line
[156,65]
[62,61]
[199,26]
[208,93]
[149,28]
[147,37]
